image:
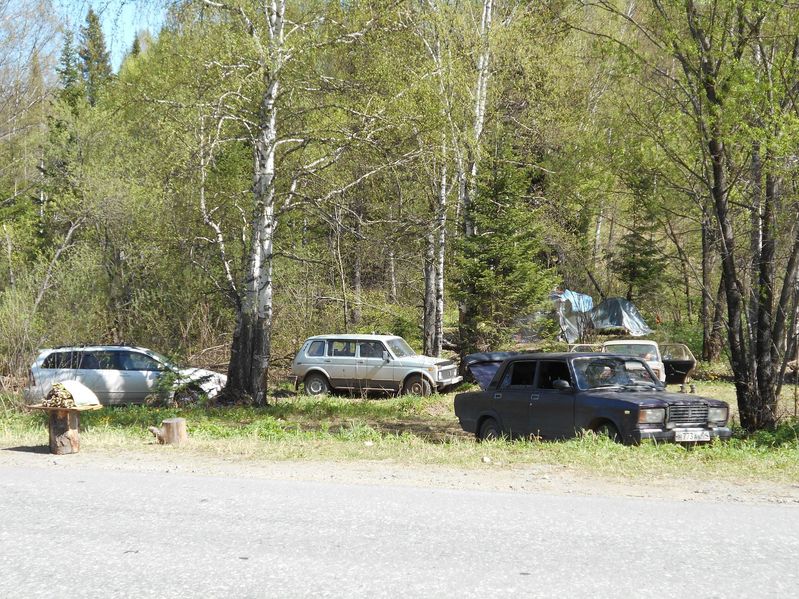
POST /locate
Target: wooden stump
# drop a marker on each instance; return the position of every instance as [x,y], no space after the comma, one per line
[64,427]
[172,432]
[64,432]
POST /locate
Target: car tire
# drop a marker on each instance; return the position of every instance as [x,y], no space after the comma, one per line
[608,430]
[417,385]
[489,430]
[316,384]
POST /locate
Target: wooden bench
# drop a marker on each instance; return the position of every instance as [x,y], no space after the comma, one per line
[64,425]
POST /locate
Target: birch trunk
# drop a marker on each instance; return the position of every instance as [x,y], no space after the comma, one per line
[249,356]
[429,294]
[441,247]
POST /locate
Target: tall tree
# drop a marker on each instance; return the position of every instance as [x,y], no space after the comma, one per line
[95,61]
[731,84]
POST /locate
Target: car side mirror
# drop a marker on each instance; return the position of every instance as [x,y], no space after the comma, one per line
[561,385]
[385,356]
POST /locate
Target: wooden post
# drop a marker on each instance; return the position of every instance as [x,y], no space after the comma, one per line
[64,432]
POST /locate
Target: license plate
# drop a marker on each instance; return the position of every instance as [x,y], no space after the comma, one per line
[691,436]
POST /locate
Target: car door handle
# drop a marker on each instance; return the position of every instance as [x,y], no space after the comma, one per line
[360,362]
[328,360]
[534,397]
[497,395]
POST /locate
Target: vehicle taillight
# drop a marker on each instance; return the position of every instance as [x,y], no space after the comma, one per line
[31,380]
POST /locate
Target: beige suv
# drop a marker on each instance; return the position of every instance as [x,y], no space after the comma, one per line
[369,362]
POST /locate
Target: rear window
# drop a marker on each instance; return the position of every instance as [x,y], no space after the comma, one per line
[60,359]
[316,349]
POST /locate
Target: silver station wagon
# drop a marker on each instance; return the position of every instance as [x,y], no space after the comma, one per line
[369,362]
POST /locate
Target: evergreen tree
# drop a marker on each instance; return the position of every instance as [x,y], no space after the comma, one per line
[96,66]
[501,277]
[69,73]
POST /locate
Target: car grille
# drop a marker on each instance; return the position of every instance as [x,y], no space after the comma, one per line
[446,373]
[690,414]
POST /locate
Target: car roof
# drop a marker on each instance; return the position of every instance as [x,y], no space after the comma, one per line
[354,336]
[93,348]
[630,342]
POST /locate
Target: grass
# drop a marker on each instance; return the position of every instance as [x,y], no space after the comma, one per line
[414,431]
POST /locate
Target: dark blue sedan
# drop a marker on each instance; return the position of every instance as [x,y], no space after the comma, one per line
[557,396]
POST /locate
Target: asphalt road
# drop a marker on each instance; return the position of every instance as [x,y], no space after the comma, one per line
[82,532]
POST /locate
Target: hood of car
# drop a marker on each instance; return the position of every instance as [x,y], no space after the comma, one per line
[423,361]
[656,398]
[207,379]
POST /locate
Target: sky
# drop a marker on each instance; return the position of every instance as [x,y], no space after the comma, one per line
[121,20]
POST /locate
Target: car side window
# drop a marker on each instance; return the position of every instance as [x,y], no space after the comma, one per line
[520,374]
[370,349]
[131,360]
[106,360]
[316,349]
[59,359]
[345,349]
[551,371]
[88,361]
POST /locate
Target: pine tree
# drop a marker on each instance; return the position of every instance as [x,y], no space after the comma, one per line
[69,73]
[96,67]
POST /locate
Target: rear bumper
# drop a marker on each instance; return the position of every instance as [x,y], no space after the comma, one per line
[669,435]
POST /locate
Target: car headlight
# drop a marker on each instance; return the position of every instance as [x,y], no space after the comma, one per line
[651,415]
[717,415]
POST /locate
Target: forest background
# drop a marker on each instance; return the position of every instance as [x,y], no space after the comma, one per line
[259,171]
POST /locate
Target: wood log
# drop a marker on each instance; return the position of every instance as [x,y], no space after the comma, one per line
[172,432]
[64,432]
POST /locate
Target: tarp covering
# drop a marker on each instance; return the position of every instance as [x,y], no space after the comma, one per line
[617,312]
[613,313]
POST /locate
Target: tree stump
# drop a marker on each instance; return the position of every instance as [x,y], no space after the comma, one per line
[172,432]
[64,427]
[64,432]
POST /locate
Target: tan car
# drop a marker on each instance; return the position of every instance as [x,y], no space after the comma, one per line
[369,362]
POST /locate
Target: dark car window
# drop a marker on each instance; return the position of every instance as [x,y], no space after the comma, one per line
[519,374]
[60,359]
[370,349]
[316,349]
[551,371]
[341,348]
[98,360]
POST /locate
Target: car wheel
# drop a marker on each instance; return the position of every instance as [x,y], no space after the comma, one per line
[417,385]
[316,384]
[489,430]
[607,429]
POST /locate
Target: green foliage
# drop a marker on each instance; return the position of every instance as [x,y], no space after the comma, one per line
[638,264]
[499,272]
[95,62]
[785,435]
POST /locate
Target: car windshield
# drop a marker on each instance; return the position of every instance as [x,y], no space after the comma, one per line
[598,372]
[400,347]
[645,351]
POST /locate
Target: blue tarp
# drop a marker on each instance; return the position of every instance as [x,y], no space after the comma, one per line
[577,315]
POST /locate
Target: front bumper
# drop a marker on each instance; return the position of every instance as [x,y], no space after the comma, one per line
[659,435]
[447,384]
